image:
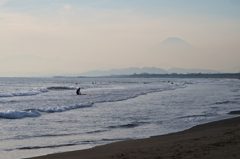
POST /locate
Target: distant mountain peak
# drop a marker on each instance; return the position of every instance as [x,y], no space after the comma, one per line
[173,41]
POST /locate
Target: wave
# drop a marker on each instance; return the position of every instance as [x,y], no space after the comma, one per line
[116,139]
[208,81]
[37,91]
[96,131]
[190,119]
[65,108]
[20,137]
[14,114]
[131,125]
[69,144]
[43,135]
[62,88]
[194,117]
[190,82]
[145,89]
[235,90]
[42,147]
[32,92]
[224,102]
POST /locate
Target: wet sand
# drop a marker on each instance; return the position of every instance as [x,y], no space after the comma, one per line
[220,140]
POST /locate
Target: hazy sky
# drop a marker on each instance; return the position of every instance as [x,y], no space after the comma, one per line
[107,34]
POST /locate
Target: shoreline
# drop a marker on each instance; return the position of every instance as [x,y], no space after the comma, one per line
[218,139]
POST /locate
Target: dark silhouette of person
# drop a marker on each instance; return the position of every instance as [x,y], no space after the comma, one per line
[78,91]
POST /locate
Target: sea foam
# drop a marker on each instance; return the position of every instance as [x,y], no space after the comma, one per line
[14,114]
[62,88]
[65,108]
[26,93]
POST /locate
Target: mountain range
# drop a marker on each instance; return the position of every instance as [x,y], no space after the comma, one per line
[173,53]
[149,70]
[96,73]
[125,71]
[36,62]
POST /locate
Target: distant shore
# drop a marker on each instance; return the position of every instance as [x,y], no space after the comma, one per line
[173,75]
[191,75]
[220,139]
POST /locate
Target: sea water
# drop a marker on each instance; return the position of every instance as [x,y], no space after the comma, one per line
[39,116]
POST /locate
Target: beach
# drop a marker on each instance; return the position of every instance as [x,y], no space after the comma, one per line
[220,139]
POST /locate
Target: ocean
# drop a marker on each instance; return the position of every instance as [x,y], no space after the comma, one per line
[40,116]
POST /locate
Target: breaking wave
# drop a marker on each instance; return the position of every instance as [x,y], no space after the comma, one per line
[224,102]
[43,147]
[27,93]
[112,96]
[37,91]
[65,108]
[62,88]
[132,125]
[193,118]
[14,114]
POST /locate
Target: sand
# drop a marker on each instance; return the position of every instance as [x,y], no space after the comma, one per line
[220,140]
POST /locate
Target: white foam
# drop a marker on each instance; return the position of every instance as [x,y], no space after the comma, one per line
[63,88]
[14,114]
[219,81]
[190,82]
[27,93]
[107,95]
[65,108]
[115,95]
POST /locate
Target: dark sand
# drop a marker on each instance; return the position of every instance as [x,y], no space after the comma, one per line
[216,140]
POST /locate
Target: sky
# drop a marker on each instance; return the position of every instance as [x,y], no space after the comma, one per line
[114,34]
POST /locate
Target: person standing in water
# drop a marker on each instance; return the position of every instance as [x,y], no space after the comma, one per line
[78,91]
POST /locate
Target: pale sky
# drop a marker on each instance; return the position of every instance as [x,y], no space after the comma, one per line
[112,34]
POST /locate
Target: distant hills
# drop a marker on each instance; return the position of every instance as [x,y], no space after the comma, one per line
[113,72]
[144,70]
[173,53]
[169,53]
[126,71]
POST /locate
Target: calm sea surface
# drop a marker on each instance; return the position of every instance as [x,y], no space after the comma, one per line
[39,116]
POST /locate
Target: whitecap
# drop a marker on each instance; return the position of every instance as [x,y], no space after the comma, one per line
[65,108]
[15,114]
[32,92]
[62,88]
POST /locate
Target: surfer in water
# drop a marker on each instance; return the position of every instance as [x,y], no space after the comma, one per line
[78,91]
